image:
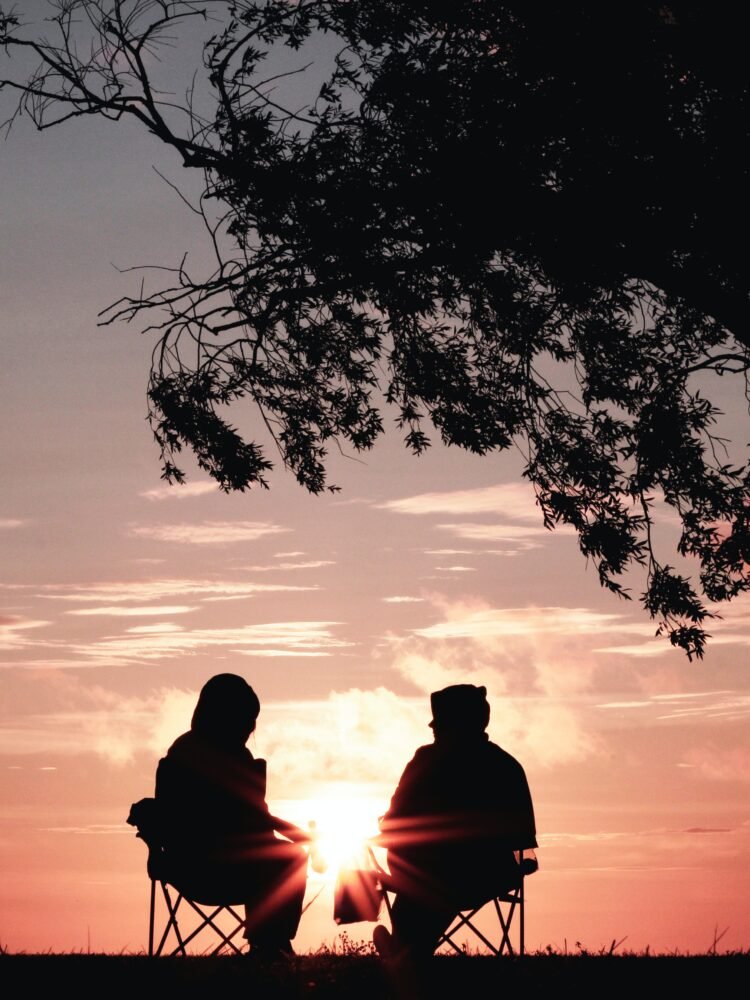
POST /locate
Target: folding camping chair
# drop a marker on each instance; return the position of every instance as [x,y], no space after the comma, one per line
[198,916]
[502,910]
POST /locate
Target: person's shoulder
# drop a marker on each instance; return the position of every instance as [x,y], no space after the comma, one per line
[423,757]
[182,746]
[502,758]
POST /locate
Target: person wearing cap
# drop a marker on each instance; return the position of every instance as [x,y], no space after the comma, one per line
[218,835]
[460,811]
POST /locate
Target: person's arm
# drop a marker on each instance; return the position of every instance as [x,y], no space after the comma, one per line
[396,825]
[291,831]
[524,823]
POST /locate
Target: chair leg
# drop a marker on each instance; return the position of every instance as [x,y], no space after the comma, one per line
[172,923]
[208,921]
[465,920]
[151,917]
[505,922]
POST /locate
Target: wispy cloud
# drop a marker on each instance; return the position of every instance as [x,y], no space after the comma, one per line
[690,706]
[522,534]
[208,532]
[12,629]
[512,500]
[658,647]
[178,492]
[273,653]
[129,612]
[451,552]
[456,569]
[164,641]
[483,623]
[282,638]
[730,764]
[97,829]
[162,589]
[311,564]
[399,599]
[10,522]
[155,629]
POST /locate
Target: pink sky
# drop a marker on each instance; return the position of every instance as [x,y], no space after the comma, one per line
[119,598]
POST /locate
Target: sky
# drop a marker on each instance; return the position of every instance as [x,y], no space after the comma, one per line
[120,596]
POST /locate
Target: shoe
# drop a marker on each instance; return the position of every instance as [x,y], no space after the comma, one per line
[269,952]
[384,944]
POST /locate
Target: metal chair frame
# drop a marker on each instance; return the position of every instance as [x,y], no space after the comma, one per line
[208,914]
[505,905]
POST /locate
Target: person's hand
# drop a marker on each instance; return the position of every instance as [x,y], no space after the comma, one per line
[291,831]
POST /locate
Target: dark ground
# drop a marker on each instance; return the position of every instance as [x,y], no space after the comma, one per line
[362,977]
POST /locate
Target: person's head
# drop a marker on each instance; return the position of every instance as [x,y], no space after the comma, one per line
[461,710]
[227,710]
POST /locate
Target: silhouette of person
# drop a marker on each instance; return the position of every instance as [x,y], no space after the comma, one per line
[460,811]
[219,837]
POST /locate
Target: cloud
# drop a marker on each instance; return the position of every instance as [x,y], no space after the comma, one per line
[481,623]
[10,522]
[12,629]
[721,764]
[208,532]
[282,638]
[92,828]
[155,629]
[351,736]
[128,612]
[538,729]
[312,564]
[165,641]
[113,726]
[655,850]
[512,500]
[398,599]
[534,680]
[163,589]
[456,569]
[281,652]
[658,647]
[689,706]
[708,829]
[180,492]
[518,533]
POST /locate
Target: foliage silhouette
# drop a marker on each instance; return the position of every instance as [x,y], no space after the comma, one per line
[521,224]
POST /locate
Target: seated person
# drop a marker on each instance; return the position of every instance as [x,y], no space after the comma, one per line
[461,810]
[218,836]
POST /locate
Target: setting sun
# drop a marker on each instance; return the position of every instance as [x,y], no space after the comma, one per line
[344,818]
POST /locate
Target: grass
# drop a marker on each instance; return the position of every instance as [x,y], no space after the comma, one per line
[351,970]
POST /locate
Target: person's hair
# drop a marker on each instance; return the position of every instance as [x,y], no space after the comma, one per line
[227,709]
